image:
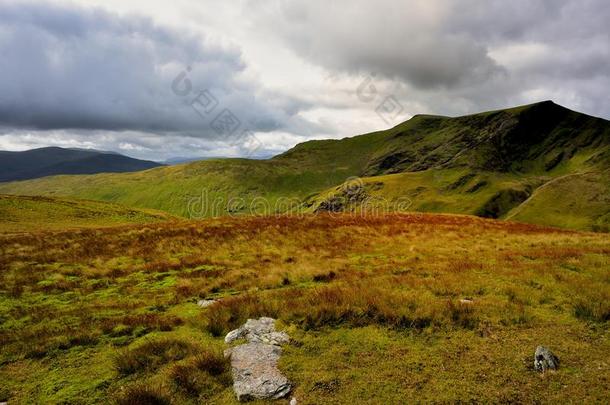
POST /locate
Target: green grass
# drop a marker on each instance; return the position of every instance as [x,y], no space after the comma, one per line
[24,213]
[372,304]
[580,201]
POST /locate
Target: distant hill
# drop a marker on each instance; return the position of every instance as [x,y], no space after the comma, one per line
[22,213]
[51,161]
[486,164]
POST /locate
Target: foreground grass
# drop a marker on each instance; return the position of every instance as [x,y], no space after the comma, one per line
[373,305]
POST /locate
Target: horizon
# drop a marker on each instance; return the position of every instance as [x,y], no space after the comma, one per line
[177,160]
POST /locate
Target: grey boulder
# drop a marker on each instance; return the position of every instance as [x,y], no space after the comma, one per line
[545,360]
[255,372]
[254,364]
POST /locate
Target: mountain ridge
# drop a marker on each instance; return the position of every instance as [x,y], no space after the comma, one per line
[49,161]
[484,164]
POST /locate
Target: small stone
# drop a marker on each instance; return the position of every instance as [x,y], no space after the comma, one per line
[206,303]
[293,401]
[545,360]
[466,301]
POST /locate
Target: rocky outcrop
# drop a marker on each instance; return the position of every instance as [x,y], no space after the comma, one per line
[254,364]
[545,360]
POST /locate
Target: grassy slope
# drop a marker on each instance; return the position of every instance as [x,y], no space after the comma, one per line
[373,309]
[578,201]
[22,213]
[484,164]
[311,167]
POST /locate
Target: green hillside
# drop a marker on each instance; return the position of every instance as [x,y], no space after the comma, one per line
[22,213]
[557,201]
[486,164]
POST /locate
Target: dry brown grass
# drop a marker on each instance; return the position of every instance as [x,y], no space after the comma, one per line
[67,292]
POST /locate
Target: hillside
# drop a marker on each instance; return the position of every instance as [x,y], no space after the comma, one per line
[485,164]
[441,308]
[21,213]
[51,161]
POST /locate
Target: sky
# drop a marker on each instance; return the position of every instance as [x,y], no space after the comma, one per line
[194,78]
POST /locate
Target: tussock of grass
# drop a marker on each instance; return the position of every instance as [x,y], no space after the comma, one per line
[144,394]
[354,305]
[151,355]
[596,311]
[201,375]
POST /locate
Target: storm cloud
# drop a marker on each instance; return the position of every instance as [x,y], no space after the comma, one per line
[458,55]
[102,73]
[75,68]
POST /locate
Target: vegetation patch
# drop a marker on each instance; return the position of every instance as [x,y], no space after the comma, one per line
[379,308]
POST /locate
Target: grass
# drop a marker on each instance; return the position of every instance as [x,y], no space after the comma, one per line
[588,208]
[151,355]
[23,213]
[373,305]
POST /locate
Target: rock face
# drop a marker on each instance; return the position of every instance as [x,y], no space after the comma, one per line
[545,360]
[254,364]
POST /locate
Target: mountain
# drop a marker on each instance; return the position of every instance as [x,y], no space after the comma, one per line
[500,164]
[51,161]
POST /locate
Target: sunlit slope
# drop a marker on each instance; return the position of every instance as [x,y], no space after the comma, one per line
[22,213]
[311,167]
[579,201]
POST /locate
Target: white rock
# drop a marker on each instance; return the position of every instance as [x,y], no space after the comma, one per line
[206,303]
[258,330]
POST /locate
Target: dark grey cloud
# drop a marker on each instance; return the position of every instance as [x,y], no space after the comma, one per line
[67,67]
[458,55]
[397,39]
[81,76]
